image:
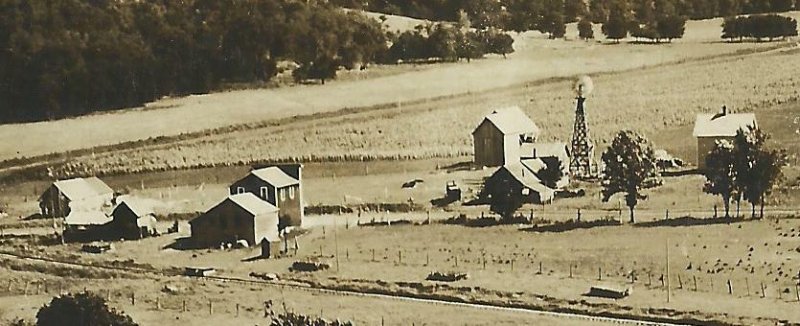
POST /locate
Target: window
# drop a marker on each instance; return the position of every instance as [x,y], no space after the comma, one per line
[283,194]
[291,193]
[264,193]
[239,190]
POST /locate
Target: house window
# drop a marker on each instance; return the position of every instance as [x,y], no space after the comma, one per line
[291,193]
[526,191]
[264,193]
[239,190]
[283,194]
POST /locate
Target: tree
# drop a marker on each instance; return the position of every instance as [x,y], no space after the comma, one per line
[671,27]
[630,167]
[616,27]
[506,199]
[758,169]
[585,30]
[574,9]
[81,309]
[721,176]
[551,174]
[321,68]
[499,43]
[552,19]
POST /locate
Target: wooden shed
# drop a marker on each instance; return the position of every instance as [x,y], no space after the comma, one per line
[133,220]
[521,181]
[85,194]
[238,217]
[497,139]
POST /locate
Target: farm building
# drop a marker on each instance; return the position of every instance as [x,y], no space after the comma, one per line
[708,128]
[498,137]
[239,217]
[133,220]
[554,156]
[280,186]
[520,180]
[86,225]
[85,194]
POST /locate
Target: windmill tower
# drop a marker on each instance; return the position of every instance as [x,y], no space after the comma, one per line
[582,164]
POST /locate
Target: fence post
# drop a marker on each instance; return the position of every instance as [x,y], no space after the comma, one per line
[210,307]
[763,290]
[26,288]
[649,278]
[456,260]
[183,309]
[747,285]
[158,303]
[730,287]
[680,282]
[483,258]
[512,264]
[133,298]
[399,257]
[666,215]
[797,292]
[427,258]
[694,279]
[599,274]
[38,288]
[237,310]
[373,254]
[711,283]
[540,268]
[570,270]
[8,288]
[663,280]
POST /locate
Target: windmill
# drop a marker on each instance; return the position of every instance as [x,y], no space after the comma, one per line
[582,164]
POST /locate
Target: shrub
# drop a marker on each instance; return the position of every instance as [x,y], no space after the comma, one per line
[81,309]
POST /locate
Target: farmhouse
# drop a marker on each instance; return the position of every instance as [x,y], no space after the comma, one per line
[133,220]
[280,186]
[708,128]
[239,217]
[497,139]
[519,179]
[63,196]
[554,155]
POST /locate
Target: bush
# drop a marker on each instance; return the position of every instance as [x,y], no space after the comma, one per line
[81,309]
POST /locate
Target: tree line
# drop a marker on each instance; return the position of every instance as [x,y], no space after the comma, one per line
[549,16]
[64,58]
[448,43]
[759,27]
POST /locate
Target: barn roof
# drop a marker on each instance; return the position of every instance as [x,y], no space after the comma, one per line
[252,204]
[80,188]
[719,125]
[512,120]
[136,206]
[275,176]
[78,217]
[527,179]
[544,150]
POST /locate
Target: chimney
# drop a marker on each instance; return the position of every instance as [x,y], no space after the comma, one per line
[724,110]
[534,153]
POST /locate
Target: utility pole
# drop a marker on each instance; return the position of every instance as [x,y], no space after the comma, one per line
[335,244]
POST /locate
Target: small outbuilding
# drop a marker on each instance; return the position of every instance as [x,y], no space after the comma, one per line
[85,194]
[86,225]
[521,181]
[239,217]
[497,139]
[133,220]
[709,128]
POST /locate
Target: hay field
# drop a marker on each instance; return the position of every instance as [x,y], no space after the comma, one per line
[536,59]
[651,100]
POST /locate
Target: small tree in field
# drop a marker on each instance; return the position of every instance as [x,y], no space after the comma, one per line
[81,309]
[758,169]
[630,166]
[585,30]
[721,176]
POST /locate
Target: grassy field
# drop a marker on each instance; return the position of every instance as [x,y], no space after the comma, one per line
[536,59]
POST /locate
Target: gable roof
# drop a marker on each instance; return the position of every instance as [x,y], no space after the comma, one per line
[275,176]
[719,125]
[137,207]
[544,150]
[526,178]
[251,203]
[78,217]
[511,120]
[80,188]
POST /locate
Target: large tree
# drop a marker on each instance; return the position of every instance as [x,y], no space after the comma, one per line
[585,30]
[81,309]
[630,167]
[616,27]
[721,174]
[758,168]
